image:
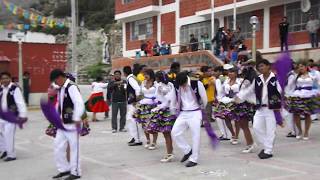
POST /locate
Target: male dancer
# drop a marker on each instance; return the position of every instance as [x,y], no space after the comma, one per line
[133,91]
[70,108]
[11,100]
[191,98]
[267,91]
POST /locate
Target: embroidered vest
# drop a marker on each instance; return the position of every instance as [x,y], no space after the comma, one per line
[131,93]
[68,106]
[11,103]
[274,96]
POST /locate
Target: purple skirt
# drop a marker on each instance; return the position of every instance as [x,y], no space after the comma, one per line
[303,106]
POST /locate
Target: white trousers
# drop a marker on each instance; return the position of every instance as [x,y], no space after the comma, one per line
[134,128]
[225,132]
[185,120]
[264,126]
[61,142]
[290,122]
[7,137]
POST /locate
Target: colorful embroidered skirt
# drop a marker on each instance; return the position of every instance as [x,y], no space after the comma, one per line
[96,103]
[233,111]
[143,114]
[162,121]
[303,106]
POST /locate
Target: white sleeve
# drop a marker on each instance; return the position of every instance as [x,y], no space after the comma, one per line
[219,89]
[135,85]
[21,105]
[291,84]
[203,94]
[104,85]
[245,94]
[77,101]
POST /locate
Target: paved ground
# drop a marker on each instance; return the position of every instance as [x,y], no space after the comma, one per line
[105,156]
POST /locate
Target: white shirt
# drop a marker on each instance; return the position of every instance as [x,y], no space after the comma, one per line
[226,89]
[134,84]
[18,98]
[188,102]
[148,94]
[163,92]
[98,87]
[76,99]
[249,93]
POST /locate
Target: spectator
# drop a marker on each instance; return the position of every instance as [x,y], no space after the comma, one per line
[26,86]
[312,27]
[149,49]
[183,49]
[169,49]
[156,49]
[172,74]
[230,39]
[143,47]
[163,48]
[238,37]
[233,54]
[117,96]
[284,29]
[218,40]
[209,84]
[194,44]
[205,42]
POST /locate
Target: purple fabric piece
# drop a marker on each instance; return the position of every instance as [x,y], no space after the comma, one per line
[283,66]
[212,135]
[12,118]
[51,114]
[278,117]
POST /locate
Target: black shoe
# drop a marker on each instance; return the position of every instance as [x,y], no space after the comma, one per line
[291,135]
[221,138]
[265,156]
[261,152]
[61,175]
[131,141]
[202,125]
[135,144]
[4,154]
[186,157]
[71,177]
[191,164]
[9,159]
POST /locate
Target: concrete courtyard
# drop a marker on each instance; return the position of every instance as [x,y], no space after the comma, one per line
[106,156]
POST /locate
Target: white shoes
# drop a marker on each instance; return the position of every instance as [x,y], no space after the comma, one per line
[249,148]
[152,147]
[234,141]
[306,138]
[167,158]
[147,145]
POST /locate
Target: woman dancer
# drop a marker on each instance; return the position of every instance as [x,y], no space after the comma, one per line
[227,108]
[163,118]
[143,113]
[304,100]
[96,101]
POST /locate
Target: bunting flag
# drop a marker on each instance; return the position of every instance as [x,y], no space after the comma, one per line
[32,16]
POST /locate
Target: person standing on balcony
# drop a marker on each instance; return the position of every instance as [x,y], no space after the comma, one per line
[284,30]
[194,44]
[312,27]
[156,49]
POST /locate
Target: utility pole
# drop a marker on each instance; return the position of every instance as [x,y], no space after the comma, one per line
[74,64]
[20,37]
[212,23]
[234,15]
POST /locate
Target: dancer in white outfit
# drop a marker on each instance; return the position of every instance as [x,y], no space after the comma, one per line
[304,100]
[190,95]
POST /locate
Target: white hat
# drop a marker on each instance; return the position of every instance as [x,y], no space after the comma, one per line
[227,66]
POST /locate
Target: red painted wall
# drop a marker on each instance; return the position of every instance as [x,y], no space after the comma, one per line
[168,27]
[136,4]
[38,60]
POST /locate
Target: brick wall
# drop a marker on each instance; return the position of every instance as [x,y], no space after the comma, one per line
[187,8]
[130,45]
[164,2]
[168,27]
[276,14]
[136,4]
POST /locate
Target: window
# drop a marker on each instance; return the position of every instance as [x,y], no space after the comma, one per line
[197,29]
[141,29]
[298,19]
[243,20]
[127,1]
